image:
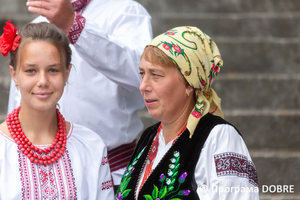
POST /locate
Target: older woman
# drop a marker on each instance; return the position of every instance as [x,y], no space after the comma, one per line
[192,153]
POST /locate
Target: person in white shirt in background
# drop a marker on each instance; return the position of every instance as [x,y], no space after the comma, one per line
[107,39]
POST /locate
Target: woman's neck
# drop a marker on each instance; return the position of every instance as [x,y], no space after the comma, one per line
[172,129]
[39,126]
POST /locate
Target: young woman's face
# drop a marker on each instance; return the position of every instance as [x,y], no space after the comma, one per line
[40,75]
[164,90]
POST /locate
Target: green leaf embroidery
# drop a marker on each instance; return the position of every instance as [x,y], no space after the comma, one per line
[175,174]
[180,193]
[155,192]
[148,197]
[177,166]
[167,184]
[173,181]
[126,193]
[124,186]
[126,178]
[163,192]
[170,188]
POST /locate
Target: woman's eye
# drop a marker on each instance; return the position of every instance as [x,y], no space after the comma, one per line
[142,74]
[53,70]
[30,71]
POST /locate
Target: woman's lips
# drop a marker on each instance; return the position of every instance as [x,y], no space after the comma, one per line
[150,102]
[43,95]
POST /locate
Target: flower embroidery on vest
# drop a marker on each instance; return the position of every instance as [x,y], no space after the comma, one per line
[122,191]
[167,182]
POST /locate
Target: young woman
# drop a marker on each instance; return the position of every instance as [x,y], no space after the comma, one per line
[42,156]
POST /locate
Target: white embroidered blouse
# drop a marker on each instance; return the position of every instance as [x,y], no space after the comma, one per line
[81,173]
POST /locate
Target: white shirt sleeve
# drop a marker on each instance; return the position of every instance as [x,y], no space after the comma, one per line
[104,191]
[116,51]
[225,170]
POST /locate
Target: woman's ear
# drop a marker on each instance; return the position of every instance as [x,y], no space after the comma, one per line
[189,90]
[13,74]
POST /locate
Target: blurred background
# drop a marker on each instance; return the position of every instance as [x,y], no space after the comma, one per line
[259,84]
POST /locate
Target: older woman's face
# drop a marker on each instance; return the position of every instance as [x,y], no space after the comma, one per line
[164,90]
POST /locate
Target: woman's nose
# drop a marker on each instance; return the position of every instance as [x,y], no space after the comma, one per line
[144,85]
[43,80]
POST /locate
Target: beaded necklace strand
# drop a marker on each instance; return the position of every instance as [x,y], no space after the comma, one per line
[53,152]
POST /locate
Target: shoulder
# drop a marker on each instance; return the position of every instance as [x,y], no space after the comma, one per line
[81,135]
[217,129]
[3,127]
[4,130]
[83,132]
[225,138]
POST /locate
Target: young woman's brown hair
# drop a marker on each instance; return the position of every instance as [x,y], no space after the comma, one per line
[42,32]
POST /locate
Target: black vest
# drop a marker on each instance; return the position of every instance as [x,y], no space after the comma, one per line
[173,177]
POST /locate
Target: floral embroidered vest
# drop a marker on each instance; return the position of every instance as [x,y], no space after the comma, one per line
[173,178]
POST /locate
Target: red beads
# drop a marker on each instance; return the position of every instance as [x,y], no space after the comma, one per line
[35,154]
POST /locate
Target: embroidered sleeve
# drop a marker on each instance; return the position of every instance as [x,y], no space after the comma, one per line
[233,164]
[225,164]
[107,185]
[104,160]
[76,29]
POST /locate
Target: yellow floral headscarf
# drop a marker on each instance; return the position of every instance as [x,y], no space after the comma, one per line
[198,59]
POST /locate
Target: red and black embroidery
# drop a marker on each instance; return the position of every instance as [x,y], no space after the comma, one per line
[76,29]
[55,181]
[80,5]
[106,185]
[70,176]
[35,182]
[23,176]
[104,161]
[233,164]
[47,182]
[60,180]
[79,22]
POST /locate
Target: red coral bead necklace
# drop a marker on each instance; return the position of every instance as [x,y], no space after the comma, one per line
[36,155]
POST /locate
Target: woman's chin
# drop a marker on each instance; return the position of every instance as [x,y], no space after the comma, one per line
[154,114]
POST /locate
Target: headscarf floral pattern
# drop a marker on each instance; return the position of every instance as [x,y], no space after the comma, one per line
[198,59]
